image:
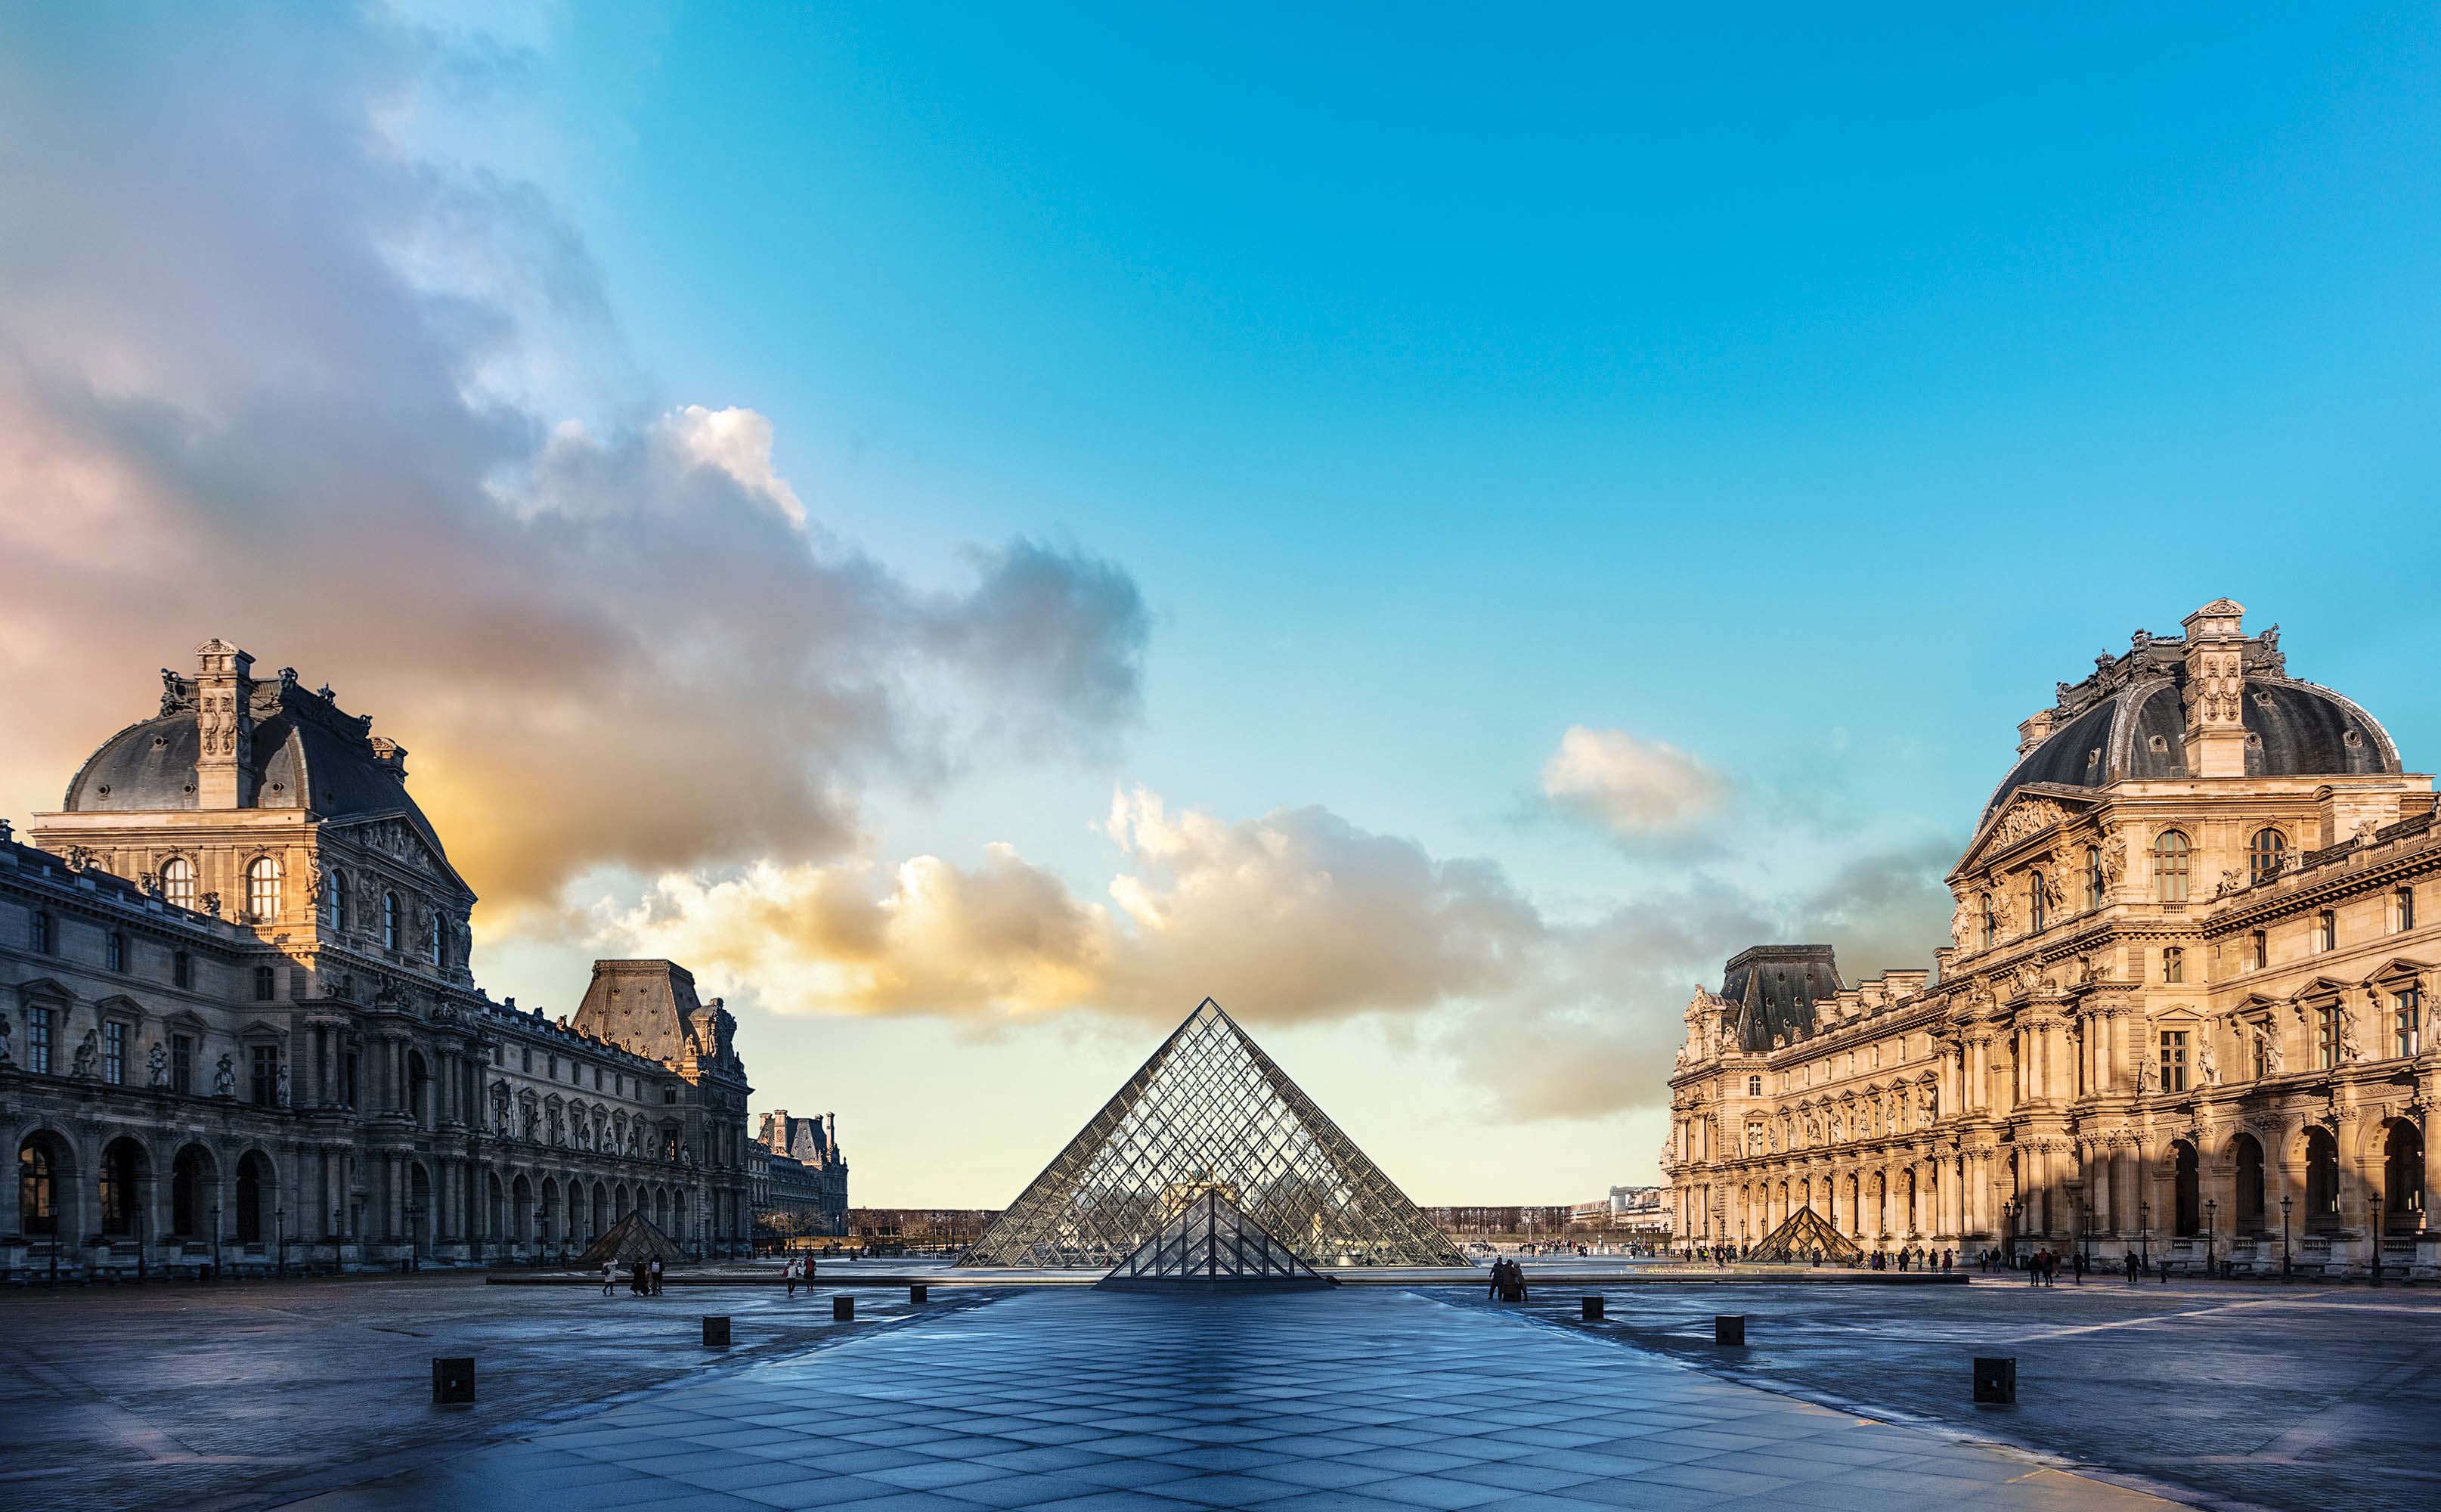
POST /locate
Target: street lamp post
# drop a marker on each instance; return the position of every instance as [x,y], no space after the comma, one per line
[2009,1231]
[280,1234]
[2286,1264]
[2144,1230]
[2212,1209]
[216,1241]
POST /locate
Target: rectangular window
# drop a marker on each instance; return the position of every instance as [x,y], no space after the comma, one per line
[41,936]
[2403,909]
[348,1080]
[267,1075]
[2327,1037]
[2407,1023]
[2260,1043]
[525,1063]
[38,1041]
[597,1078]
[2173,1060]
[2258,950]
[266,985]
[2326,930]
[114,1053]
[113,955]
[497,1051]
[2174,964]
[182,1064]
[551,1068]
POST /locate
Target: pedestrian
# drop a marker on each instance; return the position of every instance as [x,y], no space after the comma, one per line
[609,1276]
[2076,1267]
[2131,1268]
[789,1270]
[657,1276]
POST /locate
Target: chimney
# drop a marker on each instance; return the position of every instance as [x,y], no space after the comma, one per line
[2035,729]
[2216,690]
[390,757]
[224,774]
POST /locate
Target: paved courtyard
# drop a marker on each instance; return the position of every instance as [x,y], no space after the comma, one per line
[2247,1394]
[1358,1401]
[315,1394]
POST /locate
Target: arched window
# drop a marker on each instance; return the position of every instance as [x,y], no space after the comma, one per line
[389,921]
[2264,852]
[2170,855]
[2093,877]
[178,881]
[2246,1154]
[262,889]
[38,1189]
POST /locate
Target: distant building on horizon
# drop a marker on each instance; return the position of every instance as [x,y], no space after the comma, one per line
[798,1177]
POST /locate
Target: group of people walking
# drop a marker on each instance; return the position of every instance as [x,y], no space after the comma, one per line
[799,1270]
[1508,1281]
[644,1278]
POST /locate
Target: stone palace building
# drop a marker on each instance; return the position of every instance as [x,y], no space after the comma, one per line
[238,1022]
[799,1177]
[2182,1014]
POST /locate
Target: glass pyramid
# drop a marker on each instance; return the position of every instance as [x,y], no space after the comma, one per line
[1210,1113]
[1211,1247]
[1804,1236]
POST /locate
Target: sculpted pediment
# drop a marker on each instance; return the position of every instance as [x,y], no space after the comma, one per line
[401,841]
[2029,813]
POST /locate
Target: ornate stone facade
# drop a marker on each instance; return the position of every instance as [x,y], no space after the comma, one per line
[2186,1009]
[238,1022]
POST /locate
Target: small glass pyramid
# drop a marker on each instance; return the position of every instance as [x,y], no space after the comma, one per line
[1806,1234]
[1210,1113]
[1211,1247]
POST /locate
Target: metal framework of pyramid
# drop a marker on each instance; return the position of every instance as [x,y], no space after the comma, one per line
[1210,1113]
[1804,1234]
[1212,1247]
[630,1239]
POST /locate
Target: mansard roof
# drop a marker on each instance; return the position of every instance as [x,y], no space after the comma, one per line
[1774,989]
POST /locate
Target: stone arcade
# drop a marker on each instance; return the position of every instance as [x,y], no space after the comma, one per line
[238,1022]
[2183,1013]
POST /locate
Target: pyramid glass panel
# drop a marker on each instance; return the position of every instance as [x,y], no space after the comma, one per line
[1210,1113]
[1212,1246]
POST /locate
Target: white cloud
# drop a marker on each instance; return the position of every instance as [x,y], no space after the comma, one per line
[1632,787]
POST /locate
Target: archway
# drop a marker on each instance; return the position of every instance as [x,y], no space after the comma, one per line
[419,1208]
[2402,1177]
[194,1191]
[45,1186]
[258,1188]
[521,1218]
[494,1209]
[547,1229]
[126,1170]
[2321,1180]
[2188,1194]
[602,1213]
[2246,1158]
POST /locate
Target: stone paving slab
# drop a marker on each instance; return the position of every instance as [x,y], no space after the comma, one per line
[1353,1400]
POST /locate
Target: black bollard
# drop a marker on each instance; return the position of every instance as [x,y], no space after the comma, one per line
[453,1380]
[1995,1380]
[920,1293]
[1730,1328]
[843,1307]
[715,1332]
[1593,1307]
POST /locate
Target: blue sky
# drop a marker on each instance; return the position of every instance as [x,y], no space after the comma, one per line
[1383,394]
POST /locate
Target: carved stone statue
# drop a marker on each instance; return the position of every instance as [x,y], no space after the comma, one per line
[2207,1064]
[224,1078]
[279,1084]
[1962,922]
[501,1105]
[88,1053]
[4,1041]
[2148,1076]
[2351,1034]
[534,1122]
[1928,1102]
[2267,1040]
[174,697]
[210,904]
[156,1066]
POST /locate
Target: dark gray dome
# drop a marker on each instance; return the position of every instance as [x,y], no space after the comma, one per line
[299,762]
[2293,729]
